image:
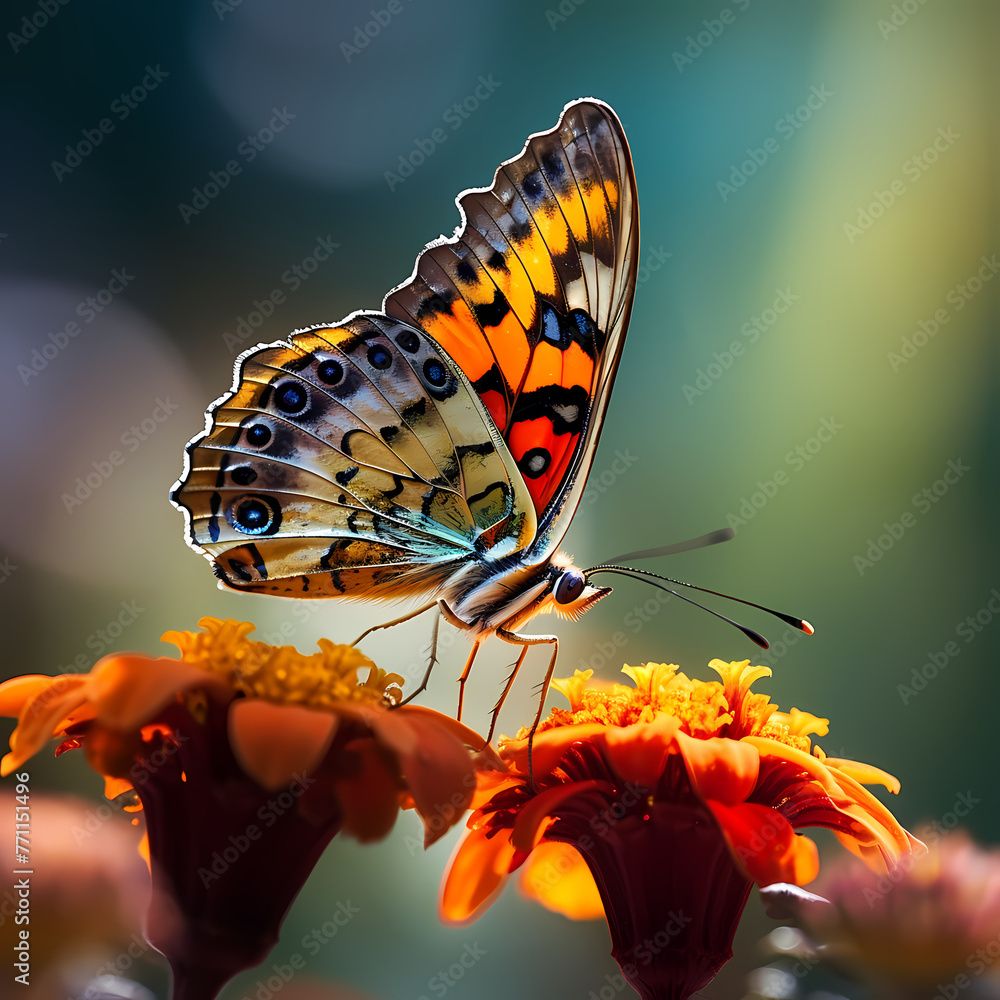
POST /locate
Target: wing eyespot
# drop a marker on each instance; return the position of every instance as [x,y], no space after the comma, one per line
[243,475]
[379,358]
[441,383]
[258,435]
[291,398]
[408,341]
[330,372]
[535,462]
[254,515]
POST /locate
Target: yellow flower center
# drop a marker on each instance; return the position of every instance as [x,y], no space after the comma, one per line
[281,673]
[705,708]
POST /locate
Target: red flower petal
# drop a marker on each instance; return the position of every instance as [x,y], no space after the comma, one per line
[272,743]
[369,794]
[638,752]
[722,770]
[475,875]
[439,773]
[557,877]
[765,845]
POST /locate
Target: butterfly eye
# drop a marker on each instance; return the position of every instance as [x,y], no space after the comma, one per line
[379,357]
[254,516]
[258,435]
[330,372]
[569,586]
[291,398]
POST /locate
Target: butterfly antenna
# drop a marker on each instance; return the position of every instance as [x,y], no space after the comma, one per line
[637,574]
[712,538]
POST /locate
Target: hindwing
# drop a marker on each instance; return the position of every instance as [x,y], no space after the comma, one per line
[351,460]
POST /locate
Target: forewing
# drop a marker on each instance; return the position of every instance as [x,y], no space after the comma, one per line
[352,460]
[532,298]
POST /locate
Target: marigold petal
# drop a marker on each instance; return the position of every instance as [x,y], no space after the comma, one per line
[40,718]
[638,753]
[876,836]
[764,844]
[865,774]
[474,877]
[488,784]
[129,690]
[369,795]
[720,769]
[557,877]
[528,826]
[548,747]
[272,743]
[436,766]
[18,691]
[572,687]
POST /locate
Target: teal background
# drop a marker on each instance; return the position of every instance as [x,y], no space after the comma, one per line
[694,461]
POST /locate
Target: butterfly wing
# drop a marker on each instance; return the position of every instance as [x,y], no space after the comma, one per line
[355,460]
[532,298]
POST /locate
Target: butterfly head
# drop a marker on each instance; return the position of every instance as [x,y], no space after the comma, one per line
[572,593]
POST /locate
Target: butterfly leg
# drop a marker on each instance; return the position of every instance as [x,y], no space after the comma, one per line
[395,621]
[430,665]
[503,695]
[534,640]
[464,678]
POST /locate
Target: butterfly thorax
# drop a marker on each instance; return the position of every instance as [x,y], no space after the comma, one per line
[509,592]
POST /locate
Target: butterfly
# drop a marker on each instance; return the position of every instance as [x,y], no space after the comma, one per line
[438,449]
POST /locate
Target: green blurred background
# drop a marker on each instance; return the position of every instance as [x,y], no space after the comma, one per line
[815,443]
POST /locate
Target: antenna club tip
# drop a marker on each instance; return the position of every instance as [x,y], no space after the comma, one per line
[807,628]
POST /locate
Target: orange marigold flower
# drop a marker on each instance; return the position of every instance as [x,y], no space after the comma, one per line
[658,806]
[246,759]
